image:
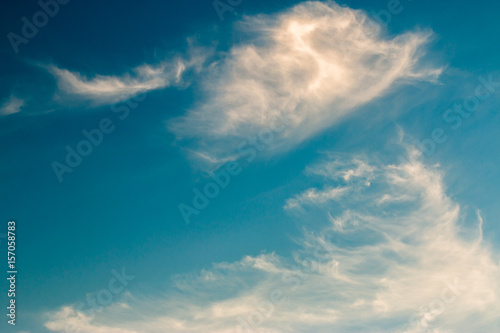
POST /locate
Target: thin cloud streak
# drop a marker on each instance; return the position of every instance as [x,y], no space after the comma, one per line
[103,89]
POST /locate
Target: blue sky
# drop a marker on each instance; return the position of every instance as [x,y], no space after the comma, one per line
[359,150]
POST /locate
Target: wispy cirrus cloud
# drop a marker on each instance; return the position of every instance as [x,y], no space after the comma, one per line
[70,320]
[341,170]
[342,167]
[12,105]
[374,267]
[317,62]
[314,196]
[107,89]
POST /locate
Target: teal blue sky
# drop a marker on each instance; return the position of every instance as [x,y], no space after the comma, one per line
[191,74]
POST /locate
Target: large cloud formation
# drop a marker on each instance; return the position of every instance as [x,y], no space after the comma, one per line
[311,64]
[392,258]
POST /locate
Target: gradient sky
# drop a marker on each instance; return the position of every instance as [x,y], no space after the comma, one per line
[351,172]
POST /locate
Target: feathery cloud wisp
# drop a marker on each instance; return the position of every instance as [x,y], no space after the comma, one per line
[103,89]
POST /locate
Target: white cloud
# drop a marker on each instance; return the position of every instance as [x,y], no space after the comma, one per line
[341,167]
[12,105]
[314,196]
[394,266]
[341,170]
[316,63]
[110,89]
[69,320]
